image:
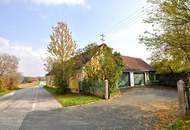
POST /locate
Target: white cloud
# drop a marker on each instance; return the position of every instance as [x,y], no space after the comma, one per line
[4,42]
[126,41]
[31,61]
[58,2]
[47,2]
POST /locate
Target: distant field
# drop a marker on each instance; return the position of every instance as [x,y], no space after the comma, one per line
[20,86]
[28,85]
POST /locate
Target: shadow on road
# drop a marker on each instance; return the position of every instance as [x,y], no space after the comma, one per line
[90,118]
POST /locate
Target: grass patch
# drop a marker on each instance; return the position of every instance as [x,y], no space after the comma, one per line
[4,92]
[72,99]
[115,93]
[182,123]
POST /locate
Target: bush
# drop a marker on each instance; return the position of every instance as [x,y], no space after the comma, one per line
[8,82]
[105,65]
[171,79]
[92,87]
[2,83]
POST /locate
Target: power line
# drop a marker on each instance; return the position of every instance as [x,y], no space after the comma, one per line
[132,18]
[136,13]
[130,21]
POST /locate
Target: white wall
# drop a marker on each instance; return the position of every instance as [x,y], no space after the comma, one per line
[132,82]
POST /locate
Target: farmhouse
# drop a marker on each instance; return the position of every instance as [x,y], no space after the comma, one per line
[90,59]
[136,73]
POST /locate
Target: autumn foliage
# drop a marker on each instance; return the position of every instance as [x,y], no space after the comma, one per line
[9,77]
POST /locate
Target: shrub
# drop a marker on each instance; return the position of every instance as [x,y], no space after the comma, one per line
[92,87]
[8,82]
[171,79]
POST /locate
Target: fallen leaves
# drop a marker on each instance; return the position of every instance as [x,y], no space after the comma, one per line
[166,115]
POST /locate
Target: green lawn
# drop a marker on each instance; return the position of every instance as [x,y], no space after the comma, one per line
[181,124]
[72,99]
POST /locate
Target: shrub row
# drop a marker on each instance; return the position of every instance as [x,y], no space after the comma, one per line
[8,82]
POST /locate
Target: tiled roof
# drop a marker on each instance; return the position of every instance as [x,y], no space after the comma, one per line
[135,64]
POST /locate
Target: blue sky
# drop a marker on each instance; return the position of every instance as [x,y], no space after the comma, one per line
[25,26]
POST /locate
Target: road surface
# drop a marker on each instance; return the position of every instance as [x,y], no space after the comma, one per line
[15,106]
[135,110]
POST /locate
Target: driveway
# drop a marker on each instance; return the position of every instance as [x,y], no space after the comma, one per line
[134,110]
[14,107]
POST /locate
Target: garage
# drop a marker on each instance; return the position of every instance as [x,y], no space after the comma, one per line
[139,79]
[136,72]
[125,80]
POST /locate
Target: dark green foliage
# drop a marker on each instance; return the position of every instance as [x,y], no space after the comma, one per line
[170,79]
[112,68]
[108,66]
[118,68]
[169,39]
[92,87]
[62,73]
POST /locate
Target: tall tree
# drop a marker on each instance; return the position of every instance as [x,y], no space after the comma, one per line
[169,39]
[8,64]
[9,76]
[61,48]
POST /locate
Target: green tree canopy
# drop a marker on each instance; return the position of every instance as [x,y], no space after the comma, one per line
[61,48]
[109,65]
[169,39]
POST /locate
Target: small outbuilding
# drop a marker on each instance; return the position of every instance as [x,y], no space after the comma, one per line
[137,73]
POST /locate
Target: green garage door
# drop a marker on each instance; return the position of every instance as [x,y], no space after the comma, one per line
[124,81]
[139,79]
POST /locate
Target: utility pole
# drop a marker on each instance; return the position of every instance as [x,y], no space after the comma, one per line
[102,38]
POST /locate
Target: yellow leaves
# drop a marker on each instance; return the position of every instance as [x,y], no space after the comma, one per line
[166,114]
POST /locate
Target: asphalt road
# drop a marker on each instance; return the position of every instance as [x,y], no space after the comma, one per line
[134,110]
[15,106]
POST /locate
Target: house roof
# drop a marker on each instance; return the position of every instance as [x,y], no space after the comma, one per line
[135,64]
[78,61]
[84,57]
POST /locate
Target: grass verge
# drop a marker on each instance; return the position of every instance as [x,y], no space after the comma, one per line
[72,99]
[4,92]
[182,123]
[115,94]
